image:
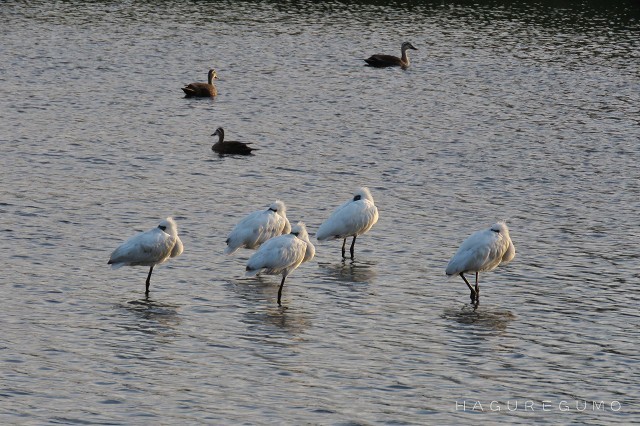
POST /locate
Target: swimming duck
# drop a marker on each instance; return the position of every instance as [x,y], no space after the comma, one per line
[230,147]
[202,90]
[381,61]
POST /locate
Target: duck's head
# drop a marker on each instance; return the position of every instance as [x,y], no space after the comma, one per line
[406,45]
[218,132]
[213,75]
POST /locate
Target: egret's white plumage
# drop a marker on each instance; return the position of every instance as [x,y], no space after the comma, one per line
[282,255]
[482,251]
[258,227]
[149,248]
[310,252]
[353,218]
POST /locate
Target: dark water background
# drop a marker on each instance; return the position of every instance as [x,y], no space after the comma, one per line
[528,113]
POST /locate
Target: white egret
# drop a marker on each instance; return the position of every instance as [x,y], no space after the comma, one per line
[149,248]
[482,251]
[257,227]
[282,255]
[353,218]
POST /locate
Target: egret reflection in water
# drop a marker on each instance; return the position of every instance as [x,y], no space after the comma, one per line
[485,317]
[271,317]
[150,316]
[350,271]
[257,290]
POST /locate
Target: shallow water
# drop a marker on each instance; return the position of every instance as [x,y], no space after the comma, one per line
[528,114]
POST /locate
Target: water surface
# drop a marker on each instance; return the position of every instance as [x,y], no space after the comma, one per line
[527,113]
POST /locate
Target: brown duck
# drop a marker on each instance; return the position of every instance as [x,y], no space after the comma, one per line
[381,61]
[202,90]
[230,147]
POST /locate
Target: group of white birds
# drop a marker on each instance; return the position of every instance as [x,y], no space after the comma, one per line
[281,248]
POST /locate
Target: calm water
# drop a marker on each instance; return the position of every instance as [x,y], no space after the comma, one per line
[529,114]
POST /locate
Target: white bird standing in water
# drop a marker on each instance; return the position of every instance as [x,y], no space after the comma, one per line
[149,248]
[482,251]
[353,218]
[258,227]
[282,255]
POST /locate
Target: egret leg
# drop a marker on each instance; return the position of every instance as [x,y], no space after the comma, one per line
[280,290]
[149,280]
[473,292]
[477,289]
[343,244]
[353,243]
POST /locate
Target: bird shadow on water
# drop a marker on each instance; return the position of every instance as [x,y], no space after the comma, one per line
[483,317]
